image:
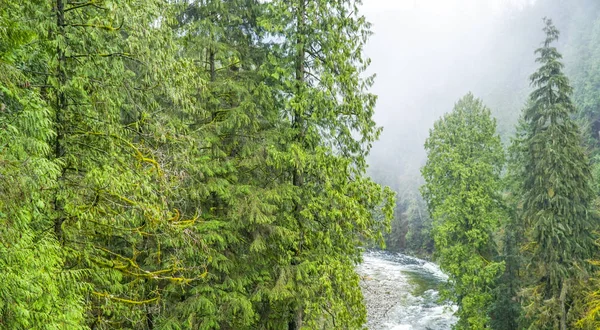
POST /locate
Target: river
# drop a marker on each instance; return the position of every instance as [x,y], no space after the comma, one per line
[401,293]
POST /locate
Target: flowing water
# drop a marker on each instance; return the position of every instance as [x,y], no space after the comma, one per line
[401,293]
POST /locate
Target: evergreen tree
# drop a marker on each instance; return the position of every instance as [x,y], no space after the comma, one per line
[35,291]
[185,164]
[224,183]
[506,311]
[105,67]
[418,236]
[461,188]
[556,193]
[318,160]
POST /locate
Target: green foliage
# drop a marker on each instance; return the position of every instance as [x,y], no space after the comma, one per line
[178,165]
[506,311]
[411,230]
[556,192]
[461,188]
[419,234]
[34,289]
[315,67]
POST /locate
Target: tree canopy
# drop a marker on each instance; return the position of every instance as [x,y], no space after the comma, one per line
[462,180]
[185,164]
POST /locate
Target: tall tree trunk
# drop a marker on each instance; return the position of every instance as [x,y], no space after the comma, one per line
[58,125]
[211,61]
[298,123]
[298,120]
[295,322]
[563,309]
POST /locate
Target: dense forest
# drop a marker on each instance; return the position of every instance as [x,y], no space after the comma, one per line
[185,164]
[502,81]
[508,198]
[215,164]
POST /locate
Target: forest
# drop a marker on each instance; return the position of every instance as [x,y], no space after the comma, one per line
[225,164]
[185,164]
[505,196]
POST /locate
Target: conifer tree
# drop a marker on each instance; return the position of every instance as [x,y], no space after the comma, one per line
[556,193]
[464,159]
[105,69]
[318,160]
[506,310]
[35,291]
[179,165]
[226,187]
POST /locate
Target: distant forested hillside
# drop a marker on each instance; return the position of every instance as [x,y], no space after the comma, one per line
[507,199]
[502,82]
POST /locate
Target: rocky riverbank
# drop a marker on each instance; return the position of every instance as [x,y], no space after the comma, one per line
[401,293]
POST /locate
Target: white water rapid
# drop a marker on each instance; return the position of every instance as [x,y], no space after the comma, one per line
[401,293]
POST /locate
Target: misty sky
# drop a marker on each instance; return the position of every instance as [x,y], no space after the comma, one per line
[427,54]
[449,6]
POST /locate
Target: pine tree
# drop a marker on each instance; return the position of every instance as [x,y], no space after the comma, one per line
[461,188]
[556,193]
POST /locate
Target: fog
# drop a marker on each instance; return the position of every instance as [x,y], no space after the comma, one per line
[426,55]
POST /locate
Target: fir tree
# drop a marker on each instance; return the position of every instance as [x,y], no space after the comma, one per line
[104,73]
[225,184]
[556,193]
